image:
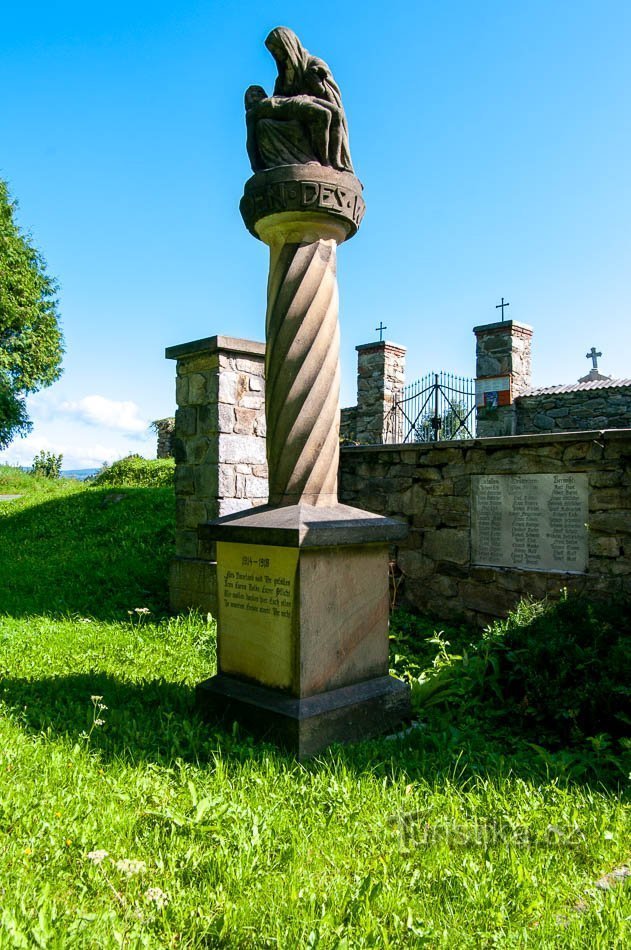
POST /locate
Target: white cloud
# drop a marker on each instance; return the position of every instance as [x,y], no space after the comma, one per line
[108,413]
[87,431]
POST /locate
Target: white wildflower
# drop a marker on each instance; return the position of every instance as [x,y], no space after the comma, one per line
[130,867]
[97,857]
[155,895]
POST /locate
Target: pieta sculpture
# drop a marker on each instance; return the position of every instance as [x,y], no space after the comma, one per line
[303,121]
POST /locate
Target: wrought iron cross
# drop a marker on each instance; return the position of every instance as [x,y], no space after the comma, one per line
[381,328]
[593,356]
[502,305]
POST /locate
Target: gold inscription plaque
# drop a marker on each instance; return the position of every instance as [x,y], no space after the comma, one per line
[256,586]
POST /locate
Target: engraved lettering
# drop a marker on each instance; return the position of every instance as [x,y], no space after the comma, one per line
[309,193]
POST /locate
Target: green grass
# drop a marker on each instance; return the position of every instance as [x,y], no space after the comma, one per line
[458,834]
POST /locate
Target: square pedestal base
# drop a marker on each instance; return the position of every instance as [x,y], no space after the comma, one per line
[306,726]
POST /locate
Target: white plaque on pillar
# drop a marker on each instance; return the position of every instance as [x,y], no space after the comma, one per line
[256,586]
[530,522]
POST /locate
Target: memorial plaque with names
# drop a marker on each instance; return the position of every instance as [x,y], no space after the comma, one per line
[256,585]
[531,522]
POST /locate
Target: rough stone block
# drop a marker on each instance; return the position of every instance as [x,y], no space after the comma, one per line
[194,513]
[208,419]
[606,498]
[225,417]
[228,388]
[197,449]
[256,488]
[447,544]
[254,367]
[414,563]
[184,479]
[186,543]
[604,547]
[241,448]
[193,584]
[226,481]
[230,506]
[181,391]
[254,401]
[206,481]
[185,422]
[197,391]
[244,421]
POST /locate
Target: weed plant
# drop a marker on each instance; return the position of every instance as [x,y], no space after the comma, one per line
[126,821]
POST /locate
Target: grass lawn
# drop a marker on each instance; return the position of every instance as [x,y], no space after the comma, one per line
[127,821]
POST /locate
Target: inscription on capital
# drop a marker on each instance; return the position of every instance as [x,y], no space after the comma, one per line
[303,188]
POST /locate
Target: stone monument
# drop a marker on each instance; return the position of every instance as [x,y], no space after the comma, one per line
[303,580]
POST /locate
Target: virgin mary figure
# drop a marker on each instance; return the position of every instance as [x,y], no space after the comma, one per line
[304,119]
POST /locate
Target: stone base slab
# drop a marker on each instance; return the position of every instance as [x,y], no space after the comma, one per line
[193,584]
[307,726]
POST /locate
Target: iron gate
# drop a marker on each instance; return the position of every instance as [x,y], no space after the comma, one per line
[436,407]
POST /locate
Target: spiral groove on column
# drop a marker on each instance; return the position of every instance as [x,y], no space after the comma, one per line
[302,374]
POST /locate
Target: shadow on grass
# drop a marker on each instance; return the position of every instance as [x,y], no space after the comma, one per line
[97,553]
[148,721]
[156,721]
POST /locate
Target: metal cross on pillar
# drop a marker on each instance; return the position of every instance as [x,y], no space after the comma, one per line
[593,356]
[502,305]
[381,328]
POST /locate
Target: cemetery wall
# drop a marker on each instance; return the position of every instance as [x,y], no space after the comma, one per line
[569,410]
[431,486]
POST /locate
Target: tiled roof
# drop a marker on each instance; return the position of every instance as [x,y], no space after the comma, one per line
[578,387]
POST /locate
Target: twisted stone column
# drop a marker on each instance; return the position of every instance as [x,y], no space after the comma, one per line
[302,212]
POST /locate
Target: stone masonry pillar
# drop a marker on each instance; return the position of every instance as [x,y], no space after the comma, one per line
[219,450]
[503,371]
[380,378]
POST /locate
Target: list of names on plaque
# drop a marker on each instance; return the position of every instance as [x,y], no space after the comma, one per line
[532,522]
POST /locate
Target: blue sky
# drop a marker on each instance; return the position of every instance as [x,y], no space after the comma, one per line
[492,138]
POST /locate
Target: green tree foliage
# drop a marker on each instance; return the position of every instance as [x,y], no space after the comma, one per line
[47,465]
[30,336]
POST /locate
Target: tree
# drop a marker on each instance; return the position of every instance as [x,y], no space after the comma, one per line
[31,344]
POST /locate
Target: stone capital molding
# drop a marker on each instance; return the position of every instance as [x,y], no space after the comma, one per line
[309,189]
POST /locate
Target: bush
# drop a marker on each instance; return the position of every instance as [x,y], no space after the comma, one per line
[566,667]
[47,464]
[554,671]
[135,471]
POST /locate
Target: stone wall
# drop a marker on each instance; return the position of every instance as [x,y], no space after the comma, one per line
[586,406]
[348,424]
[429,486]
[219,450]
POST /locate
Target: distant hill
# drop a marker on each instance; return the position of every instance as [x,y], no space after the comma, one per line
[79,473]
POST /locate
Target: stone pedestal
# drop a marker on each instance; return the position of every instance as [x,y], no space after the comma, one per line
[303,620]
[303,581]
